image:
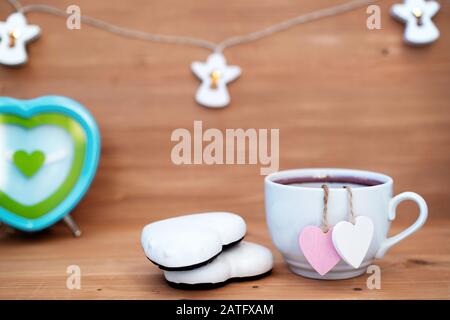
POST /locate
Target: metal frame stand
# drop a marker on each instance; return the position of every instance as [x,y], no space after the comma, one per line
[68,220]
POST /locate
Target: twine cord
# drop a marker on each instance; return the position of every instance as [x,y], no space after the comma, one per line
[350,204]
[325,225]
[185,40]
[16,5]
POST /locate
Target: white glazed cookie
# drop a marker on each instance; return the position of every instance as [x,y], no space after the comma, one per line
[187,242]
[240,262]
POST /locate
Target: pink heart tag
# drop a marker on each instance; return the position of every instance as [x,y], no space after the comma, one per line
[318,249]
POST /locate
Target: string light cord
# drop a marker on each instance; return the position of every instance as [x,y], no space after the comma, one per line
[16,5]
[186,40]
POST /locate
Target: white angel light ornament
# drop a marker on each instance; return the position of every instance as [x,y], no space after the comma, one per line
[14,35]
[215,74]
[417,14]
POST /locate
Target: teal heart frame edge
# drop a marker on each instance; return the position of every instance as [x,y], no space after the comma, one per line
[70,108]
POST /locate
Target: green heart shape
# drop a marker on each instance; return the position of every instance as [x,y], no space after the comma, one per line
[29,163]
[79,137]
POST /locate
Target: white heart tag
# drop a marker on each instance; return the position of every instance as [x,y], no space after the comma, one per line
[352,241]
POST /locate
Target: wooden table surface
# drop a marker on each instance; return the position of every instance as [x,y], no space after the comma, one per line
[341,95]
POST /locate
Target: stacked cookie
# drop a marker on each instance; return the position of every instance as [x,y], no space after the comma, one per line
[204,250]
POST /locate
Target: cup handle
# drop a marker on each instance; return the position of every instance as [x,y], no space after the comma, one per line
[389,242]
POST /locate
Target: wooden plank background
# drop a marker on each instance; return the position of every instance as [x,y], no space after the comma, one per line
[341,95]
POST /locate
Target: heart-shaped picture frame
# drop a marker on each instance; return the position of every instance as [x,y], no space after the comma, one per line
[49,153]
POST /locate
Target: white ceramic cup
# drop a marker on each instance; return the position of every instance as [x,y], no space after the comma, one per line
[294,199]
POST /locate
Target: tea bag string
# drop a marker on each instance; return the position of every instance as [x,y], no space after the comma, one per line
[325,225]
[350,204]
